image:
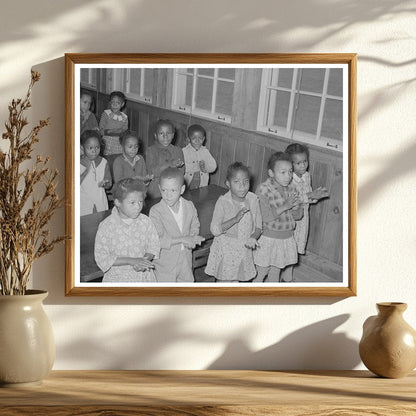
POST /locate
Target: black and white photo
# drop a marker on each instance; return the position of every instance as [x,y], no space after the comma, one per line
[211,175]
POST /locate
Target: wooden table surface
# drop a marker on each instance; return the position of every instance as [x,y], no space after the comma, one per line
[204,200]
[242,393]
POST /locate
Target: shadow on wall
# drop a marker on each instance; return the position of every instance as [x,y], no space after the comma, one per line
[80,26]
[314,347]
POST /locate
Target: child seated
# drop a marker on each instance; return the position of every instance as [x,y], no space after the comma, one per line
[126,242]
[113,122]
[177,225]
[95,175]
[163,154]
[199,162]
[130,164]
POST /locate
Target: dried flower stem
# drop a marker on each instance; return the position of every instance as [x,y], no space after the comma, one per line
[23,217]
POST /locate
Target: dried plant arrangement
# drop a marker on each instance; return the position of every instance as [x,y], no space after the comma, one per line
[28,199]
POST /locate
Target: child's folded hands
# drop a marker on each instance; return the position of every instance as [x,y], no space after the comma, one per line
[191,241]
[141,264]
[318,193]
[252,243]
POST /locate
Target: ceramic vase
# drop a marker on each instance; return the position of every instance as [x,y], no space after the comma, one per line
[388,345]
[27,347]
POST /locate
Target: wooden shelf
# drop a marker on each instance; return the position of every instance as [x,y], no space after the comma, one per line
[203,393]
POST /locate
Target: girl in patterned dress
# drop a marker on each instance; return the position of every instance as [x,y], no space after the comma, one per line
[236,226]
[299,155]
[95,175]
[127,242]
[113,122]
[279,203]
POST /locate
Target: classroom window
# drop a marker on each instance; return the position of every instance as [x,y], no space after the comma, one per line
[303,104]
[206,92]
[138,84]
[89,77]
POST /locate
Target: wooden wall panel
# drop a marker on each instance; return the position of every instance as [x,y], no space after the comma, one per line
[331,248]
[143,129]
[242,152]
[227,157]
[215,149]
[267,153]
[255,163]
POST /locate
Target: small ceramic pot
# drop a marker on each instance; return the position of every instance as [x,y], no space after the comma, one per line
[388,345]
[27,346]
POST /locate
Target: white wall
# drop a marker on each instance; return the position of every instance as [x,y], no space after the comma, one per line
[200,333]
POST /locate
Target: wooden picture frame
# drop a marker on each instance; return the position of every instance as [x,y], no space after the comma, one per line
[239,135]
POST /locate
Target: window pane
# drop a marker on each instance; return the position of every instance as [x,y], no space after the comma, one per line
[227,73]
[224,103]
[188,90]
[184,92]
[94,76]
[281,108]
[285,77]
[206,71]
[332,121]
[148,82]
[84,75]
[186,71]
[307,114]
[135,79]
[203,98]
[312,79]
[335,82]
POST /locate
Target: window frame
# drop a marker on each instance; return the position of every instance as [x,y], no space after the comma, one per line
[267,107]
[90,84]
[125,82]
[192,110]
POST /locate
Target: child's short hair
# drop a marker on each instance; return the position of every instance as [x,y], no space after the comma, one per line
[90,94]
[194,128]
[118,94]
[163,122]
[297,148]
[277,157]
[126,135]
[234,168]
[126,186]
[87,134]
[172,173]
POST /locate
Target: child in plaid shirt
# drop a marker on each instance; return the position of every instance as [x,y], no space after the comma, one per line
[279,205]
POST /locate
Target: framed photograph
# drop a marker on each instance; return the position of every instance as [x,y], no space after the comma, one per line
[211,174]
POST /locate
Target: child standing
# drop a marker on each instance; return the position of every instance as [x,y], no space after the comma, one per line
[277,197]
[299,155]
[199,162]
[163,154]
[113,122]
[236,226]
[126,242]
[130,164]
[88,119]
[95,175]
[177,225]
